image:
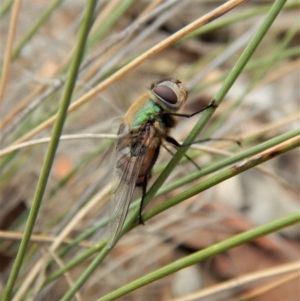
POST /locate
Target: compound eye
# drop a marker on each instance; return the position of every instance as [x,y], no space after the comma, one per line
[165,93]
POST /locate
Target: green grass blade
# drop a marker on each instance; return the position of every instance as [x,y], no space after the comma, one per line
[223,163]
[108,23]
[57,129]
[36,26]
[222,176]
[5,7]
[205,254]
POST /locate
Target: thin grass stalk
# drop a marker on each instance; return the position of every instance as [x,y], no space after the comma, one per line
[5,7]
[75,261]
[241,281]
[285,54]
[35,27]
[213,250]
[228,161]
[119,56]
[33,104]
[49,158]
[108,23]
[59,239]
[81,280]
[259,75]
[252,65]
[133,64]
[224,175]
[264,288]
[8,50]
[273,58]
[240,16]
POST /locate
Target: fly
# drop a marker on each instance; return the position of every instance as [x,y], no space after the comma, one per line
[145,126]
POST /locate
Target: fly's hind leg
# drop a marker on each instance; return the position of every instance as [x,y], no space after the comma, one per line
[144,190]
[176,144]
[145,182]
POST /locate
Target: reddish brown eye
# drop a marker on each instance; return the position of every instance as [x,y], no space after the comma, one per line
[166,94]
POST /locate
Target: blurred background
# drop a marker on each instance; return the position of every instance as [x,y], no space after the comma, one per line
[263,103]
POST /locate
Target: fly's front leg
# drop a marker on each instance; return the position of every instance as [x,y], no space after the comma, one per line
[213,104]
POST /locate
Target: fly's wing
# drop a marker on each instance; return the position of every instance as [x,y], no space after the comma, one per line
[126,171]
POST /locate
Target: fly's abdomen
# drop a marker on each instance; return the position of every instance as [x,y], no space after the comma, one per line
[148,162]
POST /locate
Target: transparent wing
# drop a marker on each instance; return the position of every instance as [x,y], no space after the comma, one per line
[126,171]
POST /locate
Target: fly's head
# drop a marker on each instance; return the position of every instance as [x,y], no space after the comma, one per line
[170,94]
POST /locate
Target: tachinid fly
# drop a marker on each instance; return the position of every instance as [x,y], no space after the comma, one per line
[145,126]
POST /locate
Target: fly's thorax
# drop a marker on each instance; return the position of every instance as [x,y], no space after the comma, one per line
[153,109]
[166,96]
[142,111]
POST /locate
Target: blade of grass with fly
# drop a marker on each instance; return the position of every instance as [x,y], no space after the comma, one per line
[237,69]
[217,166]
[229,81]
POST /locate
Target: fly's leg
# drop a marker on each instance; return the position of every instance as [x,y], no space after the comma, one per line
[144,190]
[145,182]
[176,144]
[173,141]
[213,104]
